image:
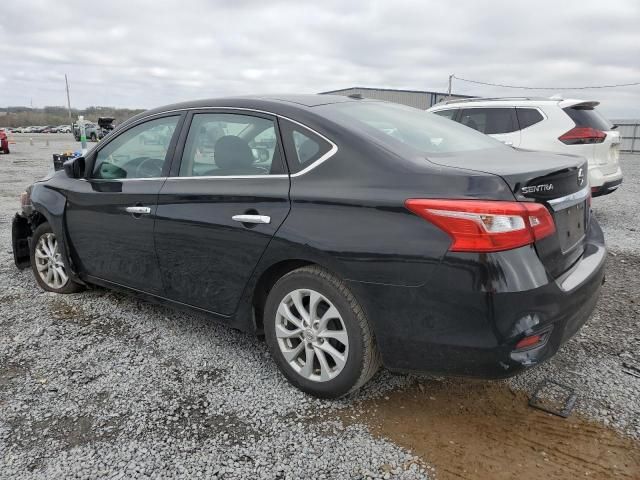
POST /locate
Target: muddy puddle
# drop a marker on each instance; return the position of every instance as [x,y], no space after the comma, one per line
[483,430]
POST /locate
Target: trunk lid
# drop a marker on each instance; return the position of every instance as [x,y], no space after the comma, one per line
[558,181]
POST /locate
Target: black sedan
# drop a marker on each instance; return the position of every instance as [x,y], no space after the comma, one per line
[350,233]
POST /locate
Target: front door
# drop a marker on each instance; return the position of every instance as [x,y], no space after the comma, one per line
[110,216]
[220,208]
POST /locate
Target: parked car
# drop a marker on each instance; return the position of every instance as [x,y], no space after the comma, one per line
[549,125]
[49,129]
[92,132]
[4,142]
[430,248]
[63,129]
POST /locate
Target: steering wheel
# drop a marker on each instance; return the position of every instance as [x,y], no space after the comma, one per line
[148,167]
[261,168]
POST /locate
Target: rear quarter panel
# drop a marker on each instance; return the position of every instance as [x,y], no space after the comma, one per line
[350,211]
[543,136]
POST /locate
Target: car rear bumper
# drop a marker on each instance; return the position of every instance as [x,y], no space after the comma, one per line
[606,188]
[598,179]
[470,320]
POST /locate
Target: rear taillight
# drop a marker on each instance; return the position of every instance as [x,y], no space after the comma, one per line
[582,135]
[486,226]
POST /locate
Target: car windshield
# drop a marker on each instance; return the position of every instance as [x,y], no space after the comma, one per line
[392,123]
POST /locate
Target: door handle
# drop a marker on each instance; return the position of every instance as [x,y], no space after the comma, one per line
[252,218]
[138,210]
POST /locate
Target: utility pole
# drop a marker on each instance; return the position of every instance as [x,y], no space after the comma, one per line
[66,81]
[449,91]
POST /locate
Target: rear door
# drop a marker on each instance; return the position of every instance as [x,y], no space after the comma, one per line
[499,122]
[226,197]
[110,215]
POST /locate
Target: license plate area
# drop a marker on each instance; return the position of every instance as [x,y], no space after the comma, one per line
[570,225]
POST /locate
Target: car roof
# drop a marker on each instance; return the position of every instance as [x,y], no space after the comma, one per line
[514,102]
[279,104]
[275,100]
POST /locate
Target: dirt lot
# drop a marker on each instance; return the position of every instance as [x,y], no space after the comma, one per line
[101,384]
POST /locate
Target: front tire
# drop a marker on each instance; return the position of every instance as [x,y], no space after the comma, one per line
[47,264]
[318,334]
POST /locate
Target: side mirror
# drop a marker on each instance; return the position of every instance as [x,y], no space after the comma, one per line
[74,167]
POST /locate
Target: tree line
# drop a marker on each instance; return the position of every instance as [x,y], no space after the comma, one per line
[25,116]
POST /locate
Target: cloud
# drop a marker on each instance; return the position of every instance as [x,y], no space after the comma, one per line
[149,53]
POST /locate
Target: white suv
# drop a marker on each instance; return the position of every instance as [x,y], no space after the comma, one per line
[547,124]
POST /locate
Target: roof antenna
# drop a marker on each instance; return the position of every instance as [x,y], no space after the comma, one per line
[356,96]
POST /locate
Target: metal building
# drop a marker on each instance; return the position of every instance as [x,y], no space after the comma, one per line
[629,135]
[413,98]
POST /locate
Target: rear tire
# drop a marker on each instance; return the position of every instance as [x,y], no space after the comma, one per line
[318,334]
[47,263]
[94,138]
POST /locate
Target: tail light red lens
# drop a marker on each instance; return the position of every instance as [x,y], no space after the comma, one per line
[582,135]
[486,226]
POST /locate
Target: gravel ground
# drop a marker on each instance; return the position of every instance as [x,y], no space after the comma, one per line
[99,384]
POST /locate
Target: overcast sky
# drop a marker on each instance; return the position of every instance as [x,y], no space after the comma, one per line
[148,53]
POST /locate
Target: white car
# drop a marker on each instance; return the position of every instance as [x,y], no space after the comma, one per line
[546,124]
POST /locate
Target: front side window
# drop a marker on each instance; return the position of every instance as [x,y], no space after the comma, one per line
[490,121]
[228,144]
[447,113]
[139,152]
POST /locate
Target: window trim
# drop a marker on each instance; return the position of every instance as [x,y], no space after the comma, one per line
[92,156]
[174,171]
[290,149]
[184,131]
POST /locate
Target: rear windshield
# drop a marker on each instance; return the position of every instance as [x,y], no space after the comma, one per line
[588,117]
[391,123]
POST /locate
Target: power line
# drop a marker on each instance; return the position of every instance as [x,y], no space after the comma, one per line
[546,88]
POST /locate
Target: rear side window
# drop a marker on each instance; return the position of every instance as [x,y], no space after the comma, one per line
[587,117]
[229,144]
[302,146]
[528,117]
[490,120]
[447,113]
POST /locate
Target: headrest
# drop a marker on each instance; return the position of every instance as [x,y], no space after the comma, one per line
[231,152]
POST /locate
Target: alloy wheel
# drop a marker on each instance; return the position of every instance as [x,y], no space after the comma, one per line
[49,262]
[311,335]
